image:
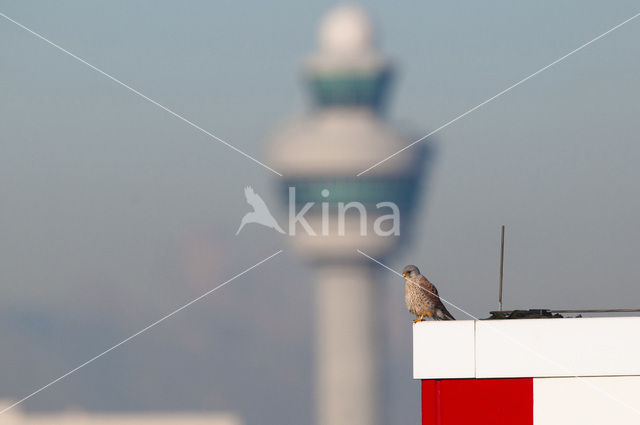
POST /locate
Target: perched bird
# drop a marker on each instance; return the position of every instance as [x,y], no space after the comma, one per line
[422,297]
[260,213]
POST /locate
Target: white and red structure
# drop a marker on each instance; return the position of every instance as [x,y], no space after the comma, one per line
[577,371]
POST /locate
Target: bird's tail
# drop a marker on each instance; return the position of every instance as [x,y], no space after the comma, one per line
[278,228]
[443,314]
[242,223]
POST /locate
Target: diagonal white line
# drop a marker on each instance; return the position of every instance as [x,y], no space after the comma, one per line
[517,342]
[137,333]
[414,283]
[480,105]
[109,76]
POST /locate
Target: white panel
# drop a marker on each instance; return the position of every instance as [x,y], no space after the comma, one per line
[586,401]
[443,349]
[558,347]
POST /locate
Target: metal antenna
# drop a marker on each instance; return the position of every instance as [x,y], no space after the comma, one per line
[501,268]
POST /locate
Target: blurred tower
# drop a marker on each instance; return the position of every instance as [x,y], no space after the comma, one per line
[320,156]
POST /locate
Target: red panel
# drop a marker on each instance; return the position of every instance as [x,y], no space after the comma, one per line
[477,401]
[429,403]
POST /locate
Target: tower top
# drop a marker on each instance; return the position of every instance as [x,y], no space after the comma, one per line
[348,79]
[347,70]
[346,43]
[346,30]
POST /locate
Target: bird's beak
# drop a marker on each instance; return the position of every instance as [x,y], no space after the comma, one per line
[404,274]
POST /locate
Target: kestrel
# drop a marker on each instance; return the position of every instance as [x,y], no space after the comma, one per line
[422,296]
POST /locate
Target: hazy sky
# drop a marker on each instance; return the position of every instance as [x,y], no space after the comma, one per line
[111,207]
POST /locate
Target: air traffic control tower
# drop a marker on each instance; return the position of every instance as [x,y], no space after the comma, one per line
[320,157]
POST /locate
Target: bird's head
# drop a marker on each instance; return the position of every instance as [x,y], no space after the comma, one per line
[410,272]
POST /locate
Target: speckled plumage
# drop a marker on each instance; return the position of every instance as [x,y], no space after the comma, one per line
[421,296]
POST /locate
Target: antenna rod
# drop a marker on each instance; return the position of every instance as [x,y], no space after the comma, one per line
[501,268]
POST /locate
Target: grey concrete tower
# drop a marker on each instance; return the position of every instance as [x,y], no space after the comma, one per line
[320,156]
